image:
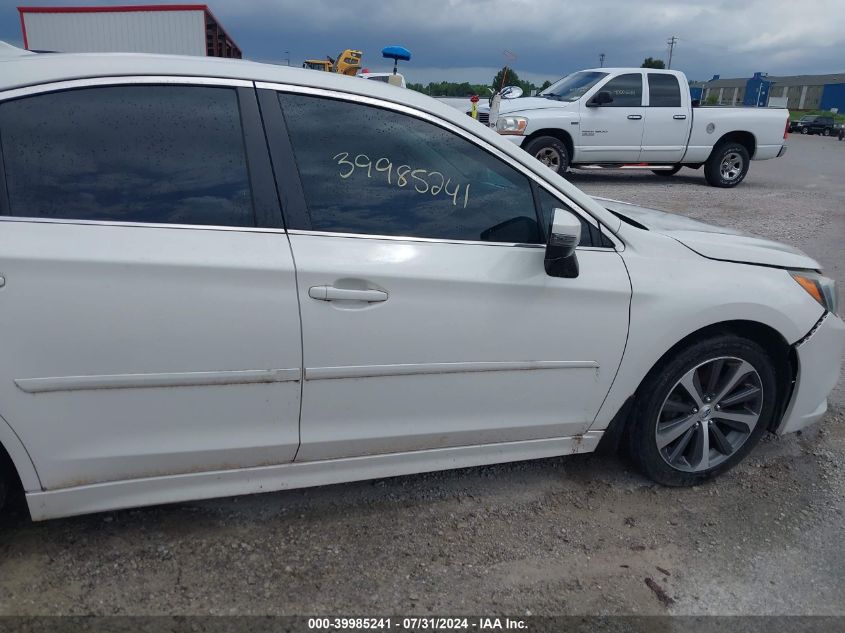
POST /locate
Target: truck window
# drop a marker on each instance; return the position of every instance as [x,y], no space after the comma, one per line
[573,87]
[626,90]
[663,91]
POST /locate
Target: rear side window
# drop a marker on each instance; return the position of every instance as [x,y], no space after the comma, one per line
[664,91]
[626,90]
[164,154]
[372,171]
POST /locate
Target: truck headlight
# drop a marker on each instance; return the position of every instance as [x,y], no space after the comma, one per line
[819,287]
[511,125]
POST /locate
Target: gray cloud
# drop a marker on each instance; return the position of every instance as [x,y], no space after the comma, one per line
[464,39]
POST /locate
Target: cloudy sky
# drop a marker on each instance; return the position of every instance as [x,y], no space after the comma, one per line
[465,40]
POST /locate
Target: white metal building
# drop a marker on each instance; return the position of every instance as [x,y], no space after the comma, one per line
[179,29]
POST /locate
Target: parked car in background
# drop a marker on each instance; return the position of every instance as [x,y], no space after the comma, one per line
[814,124]
[637,118]
[298,278]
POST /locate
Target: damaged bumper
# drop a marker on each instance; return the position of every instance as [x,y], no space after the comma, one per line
[819,361]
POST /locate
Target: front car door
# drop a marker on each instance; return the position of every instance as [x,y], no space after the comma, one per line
[428,319]
[149,326]
[667,120]
[613,132]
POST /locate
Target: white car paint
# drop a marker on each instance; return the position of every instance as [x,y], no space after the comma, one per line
[643,134]
[149,364]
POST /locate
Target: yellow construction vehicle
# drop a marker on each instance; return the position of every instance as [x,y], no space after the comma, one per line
[347,63]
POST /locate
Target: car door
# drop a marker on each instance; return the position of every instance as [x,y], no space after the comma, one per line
[667,120]
[428,319]
[150,325]
[613,132]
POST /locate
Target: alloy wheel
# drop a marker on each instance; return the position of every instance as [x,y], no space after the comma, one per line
[550,157]
[709,414]
[731,166]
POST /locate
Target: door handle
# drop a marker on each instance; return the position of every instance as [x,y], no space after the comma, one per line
[635,117]
[679,117]
[330,293]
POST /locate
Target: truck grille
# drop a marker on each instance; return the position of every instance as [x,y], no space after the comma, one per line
[483,117]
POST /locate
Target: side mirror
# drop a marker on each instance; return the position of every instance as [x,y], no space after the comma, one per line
[511,92]
[599,99]
[564,236]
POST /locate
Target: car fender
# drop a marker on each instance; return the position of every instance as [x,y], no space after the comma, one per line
[668,305]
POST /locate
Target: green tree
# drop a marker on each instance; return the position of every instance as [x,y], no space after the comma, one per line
[545,85]
[650,62]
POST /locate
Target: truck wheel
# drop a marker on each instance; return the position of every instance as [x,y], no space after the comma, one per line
[727,165]
[550,151]
[666,172]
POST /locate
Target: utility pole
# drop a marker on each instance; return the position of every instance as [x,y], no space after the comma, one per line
[671,41]
[601,60]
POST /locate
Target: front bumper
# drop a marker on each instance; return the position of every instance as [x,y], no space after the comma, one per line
[819,362]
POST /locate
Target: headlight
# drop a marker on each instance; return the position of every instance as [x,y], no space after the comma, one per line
[820,288]
[511,125]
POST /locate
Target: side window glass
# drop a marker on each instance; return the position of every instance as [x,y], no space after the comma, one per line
[372,171]
[548,203]
[163,154]
[664,91]
[626,90]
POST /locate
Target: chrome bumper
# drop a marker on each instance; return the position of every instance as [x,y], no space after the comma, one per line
[819,362]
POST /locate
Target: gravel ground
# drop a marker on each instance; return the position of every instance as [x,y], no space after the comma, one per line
[576,535]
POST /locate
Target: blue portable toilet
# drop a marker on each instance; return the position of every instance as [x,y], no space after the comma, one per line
[757,91]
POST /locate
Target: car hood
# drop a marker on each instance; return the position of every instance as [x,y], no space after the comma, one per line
[713,242]
[524,104]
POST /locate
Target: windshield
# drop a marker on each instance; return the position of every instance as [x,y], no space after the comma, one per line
[574,86]
[809,118]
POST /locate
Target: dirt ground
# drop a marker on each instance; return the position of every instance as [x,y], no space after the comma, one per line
[575,535]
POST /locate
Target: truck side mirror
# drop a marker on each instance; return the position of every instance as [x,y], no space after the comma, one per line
[600,99]
[564,236]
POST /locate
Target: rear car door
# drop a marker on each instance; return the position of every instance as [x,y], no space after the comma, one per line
[428,319]
[148,314]
[667,120]
[613,132]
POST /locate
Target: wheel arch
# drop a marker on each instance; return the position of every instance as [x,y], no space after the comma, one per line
[559,134]
[785,366]
[746,139]
[17,458]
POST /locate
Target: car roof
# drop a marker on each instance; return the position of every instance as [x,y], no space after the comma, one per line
[25,70]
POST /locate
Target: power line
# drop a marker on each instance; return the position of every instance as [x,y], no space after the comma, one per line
[671,41]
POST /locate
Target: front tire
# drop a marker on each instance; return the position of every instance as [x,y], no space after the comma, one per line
[727,165]
[826,132]
[550,151]
[699,413]
[804,130]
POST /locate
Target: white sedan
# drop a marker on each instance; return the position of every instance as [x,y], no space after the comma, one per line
[220,277]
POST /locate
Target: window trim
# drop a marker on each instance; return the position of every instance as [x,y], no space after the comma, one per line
[286,153]
[265,204]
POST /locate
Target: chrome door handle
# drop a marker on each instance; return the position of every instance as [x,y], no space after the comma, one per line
[330,293]
[635,117]
[680,117]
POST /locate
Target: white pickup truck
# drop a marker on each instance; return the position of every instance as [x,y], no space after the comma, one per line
[636,118]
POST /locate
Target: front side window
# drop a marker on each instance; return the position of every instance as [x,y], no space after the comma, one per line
[367,170]
[163,154]
[626,90]
[664,91]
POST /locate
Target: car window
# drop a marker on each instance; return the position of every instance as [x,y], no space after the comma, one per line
[664,91]
[165,154]
[626,90]
[368,170]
